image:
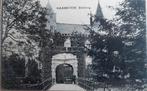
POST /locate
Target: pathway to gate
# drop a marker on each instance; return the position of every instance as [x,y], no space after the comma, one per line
[66,87]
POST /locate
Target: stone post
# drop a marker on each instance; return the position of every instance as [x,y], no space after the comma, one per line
[46,63]
[81,64]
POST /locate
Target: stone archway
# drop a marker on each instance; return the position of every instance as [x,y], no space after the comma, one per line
[64,58]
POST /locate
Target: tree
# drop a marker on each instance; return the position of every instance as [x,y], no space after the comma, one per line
[77,39]
[119,53]
[103,36]
[12,67]
[24,32]
[24,23]
[58,39]
[18,65]
[33,75]
[107,62]
[132,26]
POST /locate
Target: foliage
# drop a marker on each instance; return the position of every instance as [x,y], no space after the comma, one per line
[14,72]
[107,63]
[119,53]
[12,68]
[132,17]
[24,34]
[17,64]
[58,39]
[24,23]
[33,72]
[77,39]
[132,25]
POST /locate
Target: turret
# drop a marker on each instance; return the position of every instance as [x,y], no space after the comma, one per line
[51,25]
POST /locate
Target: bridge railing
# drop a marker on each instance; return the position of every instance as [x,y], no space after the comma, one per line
[41,86]
[90,85]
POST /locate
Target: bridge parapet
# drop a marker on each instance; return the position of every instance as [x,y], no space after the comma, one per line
[90,85]
[102,86]
[44,85]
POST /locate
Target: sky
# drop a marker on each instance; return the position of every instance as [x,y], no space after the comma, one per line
[74,15]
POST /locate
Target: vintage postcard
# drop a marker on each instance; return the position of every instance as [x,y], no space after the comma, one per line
[73,45]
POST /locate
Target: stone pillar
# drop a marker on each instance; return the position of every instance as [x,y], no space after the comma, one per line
[81,64]
[46,64]
[75,67]
[53,70]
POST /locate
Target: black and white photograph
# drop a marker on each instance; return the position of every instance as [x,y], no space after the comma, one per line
[73,45]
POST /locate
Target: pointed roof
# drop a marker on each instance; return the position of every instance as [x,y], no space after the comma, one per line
[99,13]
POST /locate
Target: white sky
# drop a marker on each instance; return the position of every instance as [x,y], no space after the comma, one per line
[80,16]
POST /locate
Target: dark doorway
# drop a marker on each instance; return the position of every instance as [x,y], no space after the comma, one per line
[64,73]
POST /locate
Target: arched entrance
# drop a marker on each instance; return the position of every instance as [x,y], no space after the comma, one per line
[64,73]
[64,63]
